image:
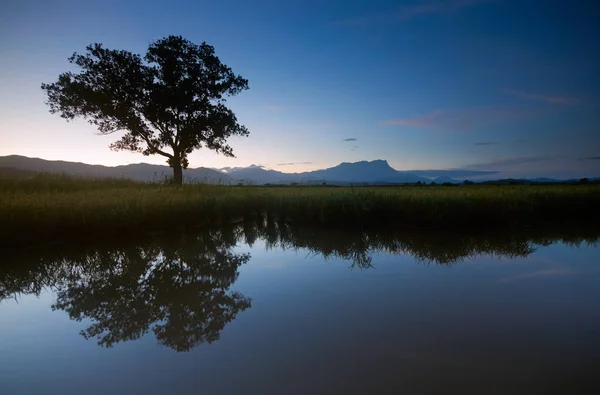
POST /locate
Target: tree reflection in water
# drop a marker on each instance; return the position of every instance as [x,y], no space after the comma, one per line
[180,291]
[178,286]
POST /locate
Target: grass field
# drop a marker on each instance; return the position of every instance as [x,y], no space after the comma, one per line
[43,207]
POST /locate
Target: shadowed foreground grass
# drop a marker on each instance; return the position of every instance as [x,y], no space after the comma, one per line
[45,207]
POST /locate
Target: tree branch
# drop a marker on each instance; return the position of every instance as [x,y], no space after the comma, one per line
[153,147]
[176,142]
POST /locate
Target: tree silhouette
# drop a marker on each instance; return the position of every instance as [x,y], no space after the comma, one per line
[179,291]
[172,99]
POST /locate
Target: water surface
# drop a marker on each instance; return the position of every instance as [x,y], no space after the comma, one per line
[267,309]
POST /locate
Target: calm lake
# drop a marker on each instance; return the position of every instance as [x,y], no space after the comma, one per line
[266,309]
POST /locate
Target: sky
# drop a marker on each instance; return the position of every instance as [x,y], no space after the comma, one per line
[505,85]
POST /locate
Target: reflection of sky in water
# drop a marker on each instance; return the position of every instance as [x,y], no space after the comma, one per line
[318,324]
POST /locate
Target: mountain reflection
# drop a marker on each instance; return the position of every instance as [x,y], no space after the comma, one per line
[178,287]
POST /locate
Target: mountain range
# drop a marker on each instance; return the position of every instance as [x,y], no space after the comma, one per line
[374,172]
[137,171]
[371,172]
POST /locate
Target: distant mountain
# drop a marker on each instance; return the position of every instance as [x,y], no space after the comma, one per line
[456,174]
[542,180]
[377,171]
[364,172]
[257,175]
[13,172]
[138,171]
[547,180]
[445,179]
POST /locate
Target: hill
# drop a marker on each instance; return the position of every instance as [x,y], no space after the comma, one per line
[138,171]
[371,172]
[376,172]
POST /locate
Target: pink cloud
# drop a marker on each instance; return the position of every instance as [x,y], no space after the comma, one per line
[465,119]
[544,98]
[407,12]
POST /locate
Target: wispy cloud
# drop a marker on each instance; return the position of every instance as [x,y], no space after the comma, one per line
[487,143]
[503,163]
[294,163]
[273,108]
[354,148]
[465,119]
[543,97]
[410,11]
[592,158]
[230,169]
[349,139]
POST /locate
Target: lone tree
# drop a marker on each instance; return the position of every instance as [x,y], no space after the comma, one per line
[170,102]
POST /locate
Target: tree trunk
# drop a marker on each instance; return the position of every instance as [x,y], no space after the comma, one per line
[177,172]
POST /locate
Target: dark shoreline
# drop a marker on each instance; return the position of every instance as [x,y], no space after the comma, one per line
[437,246]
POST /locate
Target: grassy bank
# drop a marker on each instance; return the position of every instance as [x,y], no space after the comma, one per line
[46,207]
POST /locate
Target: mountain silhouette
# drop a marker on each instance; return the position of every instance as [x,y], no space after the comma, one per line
[258,175]
[445,179]
[137,171]
[377,171]
[372,172]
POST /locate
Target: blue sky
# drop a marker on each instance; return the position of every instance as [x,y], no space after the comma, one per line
[508,85]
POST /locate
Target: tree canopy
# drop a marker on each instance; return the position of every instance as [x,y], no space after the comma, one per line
[169,102]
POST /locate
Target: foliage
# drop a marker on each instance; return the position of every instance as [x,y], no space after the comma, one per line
[170,102]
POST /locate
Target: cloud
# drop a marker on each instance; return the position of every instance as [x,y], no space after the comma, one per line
[592,158]
[349,139]
[508,162]
[354,148]
[486,143]
[410,11]
[230,169]
[465,119]
[294,163]
[273,108]
[543,98]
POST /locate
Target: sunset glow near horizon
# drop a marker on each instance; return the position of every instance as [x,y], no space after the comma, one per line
[504,85]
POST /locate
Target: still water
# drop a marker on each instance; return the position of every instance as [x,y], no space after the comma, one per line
[266,309]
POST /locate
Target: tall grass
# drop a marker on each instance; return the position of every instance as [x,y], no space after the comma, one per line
[43,207]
